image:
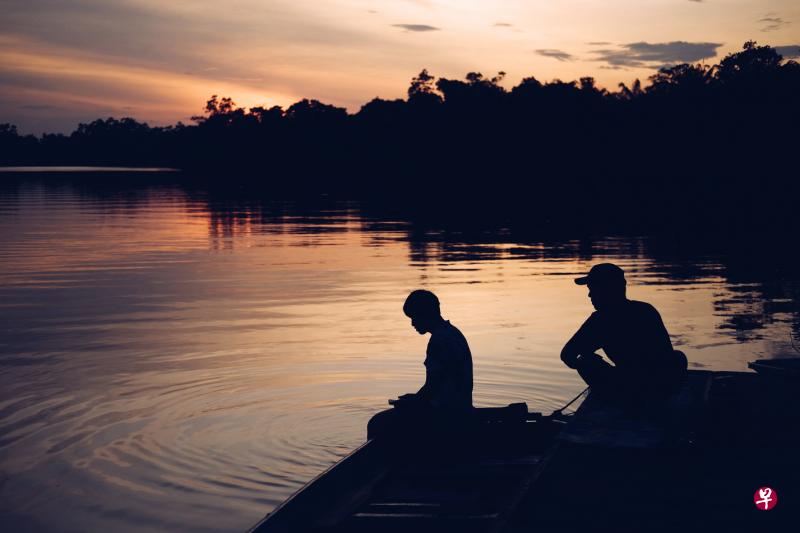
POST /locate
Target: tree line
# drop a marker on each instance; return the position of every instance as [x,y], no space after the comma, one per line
[690,133]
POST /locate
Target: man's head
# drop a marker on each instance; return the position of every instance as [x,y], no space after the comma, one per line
[606,283]
[422,307]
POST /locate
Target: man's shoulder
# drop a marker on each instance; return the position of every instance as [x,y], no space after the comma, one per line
[643,310]
[446,330]
[592,320]
[640,306]
[447,338]
[632,310]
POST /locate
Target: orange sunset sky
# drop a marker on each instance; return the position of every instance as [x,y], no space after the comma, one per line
[63,62]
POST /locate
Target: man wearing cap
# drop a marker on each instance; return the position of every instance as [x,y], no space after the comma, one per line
[631,334]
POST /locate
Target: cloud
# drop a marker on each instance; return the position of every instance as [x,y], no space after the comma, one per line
[502,25]
[416,27]
[555,54]
[599,43]
[178,36]
[656,55]
[772,22]
[789,51]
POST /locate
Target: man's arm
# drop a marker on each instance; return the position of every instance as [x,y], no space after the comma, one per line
[583,342]
[436,369]
[433,381]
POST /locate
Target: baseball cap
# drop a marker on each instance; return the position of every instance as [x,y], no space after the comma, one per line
[602,273]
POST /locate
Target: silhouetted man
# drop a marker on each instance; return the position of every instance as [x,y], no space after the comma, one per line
[633,337]
[446,395]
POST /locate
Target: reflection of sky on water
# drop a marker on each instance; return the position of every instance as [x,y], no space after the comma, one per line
[166,346]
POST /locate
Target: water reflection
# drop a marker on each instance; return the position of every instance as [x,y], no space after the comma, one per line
[174,358]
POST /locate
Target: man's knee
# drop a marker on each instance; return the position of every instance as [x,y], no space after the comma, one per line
[595,371]
[381,423]
[681,362]
[680,369]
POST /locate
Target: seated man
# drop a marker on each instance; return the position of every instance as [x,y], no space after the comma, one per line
[446,395]
[633,337]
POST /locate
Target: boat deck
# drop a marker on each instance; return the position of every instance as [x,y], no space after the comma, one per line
[468,498]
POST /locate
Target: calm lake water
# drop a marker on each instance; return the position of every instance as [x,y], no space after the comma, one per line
[172,361]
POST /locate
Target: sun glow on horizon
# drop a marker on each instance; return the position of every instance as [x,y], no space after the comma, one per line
[89,82]
[160,63]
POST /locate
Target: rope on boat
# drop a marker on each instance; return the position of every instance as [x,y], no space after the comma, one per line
[558,412]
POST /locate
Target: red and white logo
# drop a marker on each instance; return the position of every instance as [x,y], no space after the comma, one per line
[765,499]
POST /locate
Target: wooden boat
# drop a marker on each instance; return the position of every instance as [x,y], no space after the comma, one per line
[690,465]
[402,484]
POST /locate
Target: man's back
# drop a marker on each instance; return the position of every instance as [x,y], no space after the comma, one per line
[448,369]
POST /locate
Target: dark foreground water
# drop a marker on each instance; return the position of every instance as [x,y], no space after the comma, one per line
[172,361]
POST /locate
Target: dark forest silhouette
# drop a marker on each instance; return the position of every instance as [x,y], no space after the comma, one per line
[694,138]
